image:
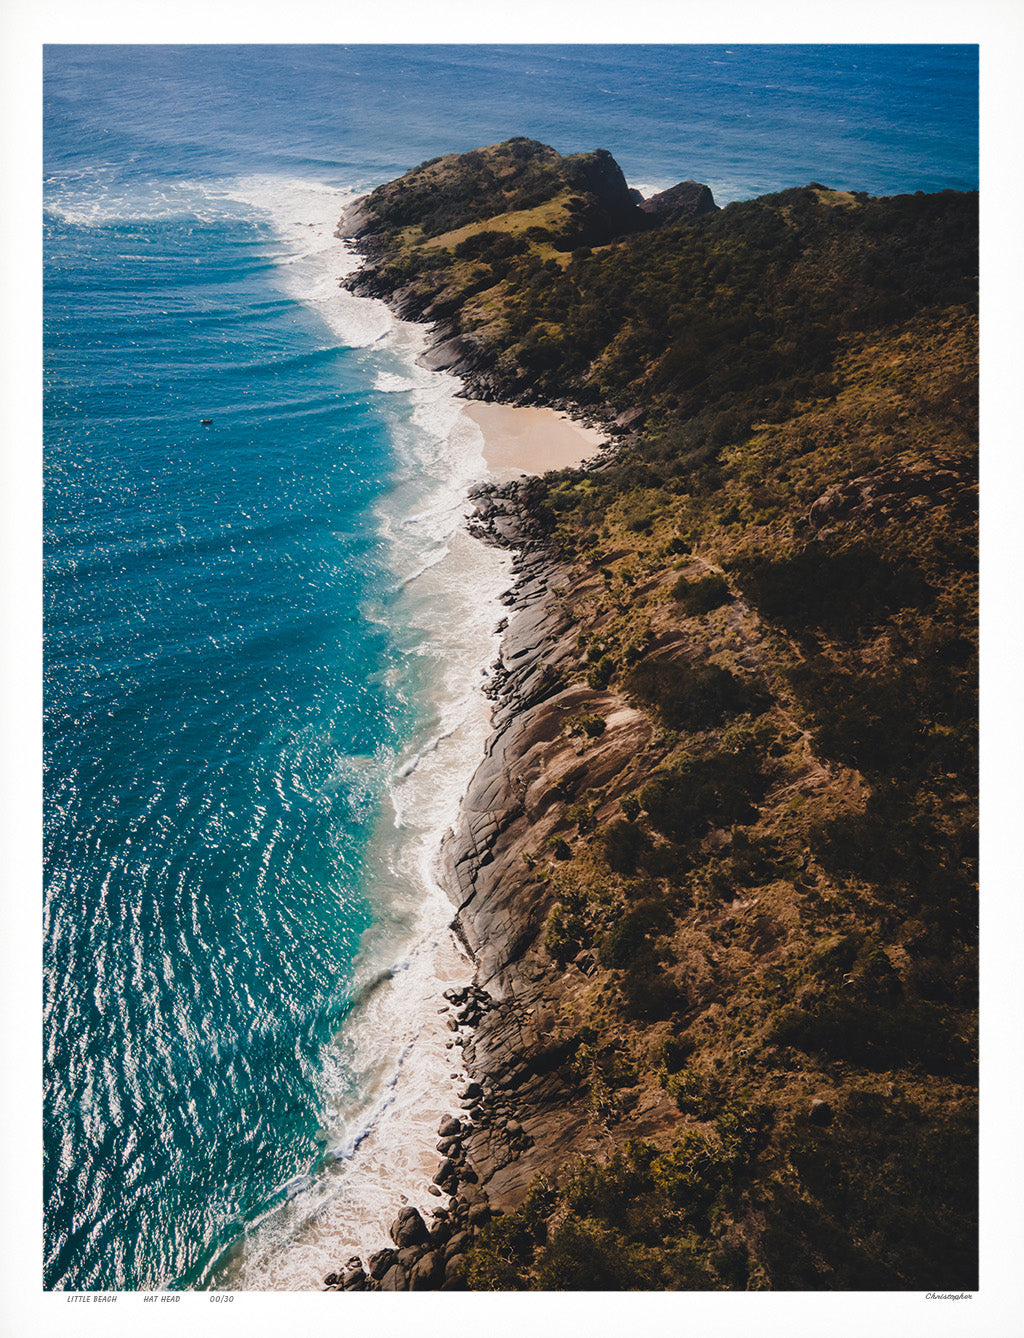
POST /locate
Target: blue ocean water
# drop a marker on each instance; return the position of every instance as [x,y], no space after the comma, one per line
[264,636]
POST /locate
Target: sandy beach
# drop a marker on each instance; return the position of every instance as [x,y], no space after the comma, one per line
[528,440]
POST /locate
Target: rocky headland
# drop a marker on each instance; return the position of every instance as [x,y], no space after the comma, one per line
[716,868]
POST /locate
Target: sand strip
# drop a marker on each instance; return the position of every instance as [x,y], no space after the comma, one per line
[528,440]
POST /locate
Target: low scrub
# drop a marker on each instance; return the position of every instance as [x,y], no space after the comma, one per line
[903,720]
[722,789]
[689,696]
[622,844]
[841,590]
[877,1035]
[696,597]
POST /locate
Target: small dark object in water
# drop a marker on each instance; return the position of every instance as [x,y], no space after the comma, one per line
[205,422]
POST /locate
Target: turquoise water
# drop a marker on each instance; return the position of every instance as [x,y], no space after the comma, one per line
[265,635]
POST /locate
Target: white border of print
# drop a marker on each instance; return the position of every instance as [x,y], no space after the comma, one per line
[25,25]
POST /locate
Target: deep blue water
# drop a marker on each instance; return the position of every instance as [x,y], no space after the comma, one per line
[245,657]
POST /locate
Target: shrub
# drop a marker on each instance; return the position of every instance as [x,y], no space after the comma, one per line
[693,1172]
[582,815]
[566,932]
[689,1090]
[877,1036]
[601,674]
[904,720]
[489,246]
[639,522]
[569,924]
[591,724]
[686,696]
[622,844]
[503,1249]
[695,597]
[892,1204]
[586,1256]
[839,590]
[650,992]
[899,843]
[951,977]
[720,789]
[499,1257]
[622,942]
[835,954]
[637,647]
[675,1051]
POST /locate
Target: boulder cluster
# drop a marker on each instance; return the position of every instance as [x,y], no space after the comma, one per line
[424,1257]
[431,1256]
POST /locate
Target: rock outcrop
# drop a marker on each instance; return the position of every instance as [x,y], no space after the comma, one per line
[895,491]
[689,199]
[592,201]
[448,235]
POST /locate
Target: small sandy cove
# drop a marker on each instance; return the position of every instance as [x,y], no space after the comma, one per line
[529,440]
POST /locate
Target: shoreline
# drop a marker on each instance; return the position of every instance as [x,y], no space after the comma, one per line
[519,1110]
[385,1155]
[524,1109]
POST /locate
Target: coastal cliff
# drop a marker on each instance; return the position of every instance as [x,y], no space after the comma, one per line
[717,868]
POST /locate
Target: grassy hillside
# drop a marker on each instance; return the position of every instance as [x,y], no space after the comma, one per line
[780,895]
[776,902]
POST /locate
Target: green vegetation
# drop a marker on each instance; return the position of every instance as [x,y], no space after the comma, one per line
[641,1222]
[775,899]
[818,587]
[717,323]
[721,788]
[685,696]
[696,597]
[450,193]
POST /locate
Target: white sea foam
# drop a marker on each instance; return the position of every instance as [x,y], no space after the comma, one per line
[99,195]
[390,1075]
[649,188]
[313,261]
[304,215]
[389,381]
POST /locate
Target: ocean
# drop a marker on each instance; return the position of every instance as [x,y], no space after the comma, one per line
[266,636]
